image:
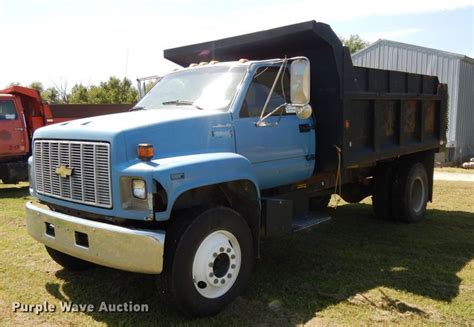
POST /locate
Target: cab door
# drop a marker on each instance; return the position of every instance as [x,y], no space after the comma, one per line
[282,152]
[13,136]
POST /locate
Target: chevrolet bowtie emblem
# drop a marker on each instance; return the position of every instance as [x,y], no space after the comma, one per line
[63,171]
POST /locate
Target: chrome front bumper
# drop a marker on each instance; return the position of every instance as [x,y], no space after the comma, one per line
[104,244]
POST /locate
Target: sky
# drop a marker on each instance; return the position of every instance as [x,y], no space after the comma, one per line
[64,42]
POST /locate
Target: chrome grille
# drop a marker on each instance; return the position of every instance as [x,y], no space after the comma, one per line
[89,182]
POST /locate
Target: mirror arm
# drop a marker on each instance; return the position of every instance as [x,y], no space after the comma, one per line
[271,90]
[271,113]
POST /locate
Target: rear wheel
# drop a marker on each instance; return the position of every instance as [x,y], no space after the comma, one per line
[410,193]
[68,262]
[209,262]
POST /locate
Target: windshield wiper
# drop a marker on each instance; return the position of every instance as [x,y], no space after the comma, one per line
[137,108]
[182,103]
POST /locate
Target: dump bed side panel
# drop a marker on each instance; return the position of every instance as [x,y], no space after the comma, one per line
[390,114]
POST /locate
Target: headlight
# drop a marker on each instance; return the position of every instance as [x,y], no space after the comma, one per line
[139,188]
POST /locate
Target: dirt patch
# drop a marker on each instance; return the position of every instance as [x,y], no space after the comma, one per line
[387,303]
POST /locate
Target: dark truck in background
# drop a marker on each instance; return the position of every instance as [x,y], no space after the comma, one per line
[248,141]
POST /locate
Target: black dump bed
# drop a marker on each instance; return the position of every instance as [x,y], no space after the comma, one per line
[370,114]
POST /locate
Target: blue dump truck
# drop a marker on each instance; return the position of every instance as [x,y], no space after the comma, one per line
[248,141]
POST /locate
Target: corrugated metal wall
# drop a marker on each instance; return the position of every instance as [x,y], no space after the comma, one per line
[465,116]
[391,55]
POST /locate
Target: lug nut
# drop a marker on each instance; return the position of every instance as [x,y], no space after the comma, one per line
[229,275]
[221,249]
[222,281]
[214,255]
[232,256]
[211,275]
[216,281]
[211,265]
[232,266]
[228,250]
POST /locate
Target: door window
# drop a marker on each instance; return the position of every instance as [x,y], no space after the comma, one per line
[7,110]
[260,88]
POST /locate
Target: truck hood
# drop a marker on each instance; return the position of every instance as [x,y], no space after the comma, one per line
[172,131]
[111,124]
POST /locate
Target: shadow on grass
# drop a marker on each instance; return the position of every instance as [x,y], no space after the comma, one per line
[14,191]
[308,271]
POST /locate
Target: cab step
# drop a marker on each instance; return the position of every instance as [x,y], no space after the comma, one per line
[309,219]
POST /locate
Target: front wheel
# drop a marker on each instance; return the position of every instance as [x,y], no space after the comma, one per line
[211,261]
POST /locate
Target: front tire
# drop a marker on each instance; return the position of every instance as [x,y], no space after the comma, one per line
[68,262]
[210,262]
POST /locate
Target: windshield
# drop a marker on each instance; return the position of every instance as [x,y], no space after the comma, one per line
[205,88]
[7,110]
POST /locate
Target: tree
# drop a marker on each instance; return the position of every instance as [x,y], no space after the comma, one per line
[120,91]
[51,95]
[38,86]
[112,91]
[61,90]
[79,94]
[149,85]
[354,43]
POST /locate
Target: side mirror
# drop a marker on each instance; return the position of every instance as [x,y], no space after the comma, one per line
[300,82]
[300,88]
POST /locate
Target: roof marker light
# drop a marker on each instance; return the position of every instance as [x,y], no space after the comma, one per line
[145,151]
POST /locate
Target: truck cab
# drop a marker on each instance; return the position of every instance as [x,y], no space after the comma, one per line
[13,137]
[233,127]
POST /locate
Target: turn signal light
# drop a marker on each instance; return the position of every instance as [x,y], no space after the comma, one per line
[145,152]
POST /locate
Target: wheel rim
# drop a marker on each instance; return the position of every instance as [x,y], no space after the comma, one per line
[216,264]
[417,194]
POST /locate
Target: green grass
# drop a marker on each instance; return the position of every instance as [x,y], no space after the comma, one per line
[353,270]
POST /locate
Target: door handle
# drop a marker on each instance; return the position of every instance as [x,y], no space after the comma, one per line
[305,128]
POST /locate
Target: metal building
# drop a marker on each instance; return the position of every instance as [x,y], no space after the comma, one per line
[454,69]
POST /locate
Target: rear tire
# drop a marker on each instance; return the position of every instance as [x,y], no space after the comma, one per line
[410,193]
[68,262]
[209,261]
[381,199]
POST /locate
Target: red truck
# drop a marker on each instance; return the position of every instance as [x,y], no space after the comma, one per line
[22,112]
